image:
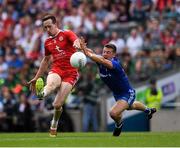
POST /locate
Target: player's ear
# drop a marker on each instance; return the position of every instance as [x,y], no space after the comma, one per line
[113,53]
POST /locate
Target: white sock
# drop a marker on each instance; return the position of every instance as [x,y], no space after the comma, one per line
[45,92]
[54,124]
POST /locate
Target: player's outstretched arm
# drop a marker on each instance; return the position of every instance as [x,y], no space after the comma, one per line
[97,58]
[43,67]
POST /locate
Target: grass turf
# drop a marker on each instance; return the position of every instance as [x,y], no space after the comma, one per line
[127,139]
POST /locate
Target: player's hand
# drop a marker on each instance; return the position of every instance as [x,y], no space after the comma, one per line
[77,44]
[31,84]
[83,46]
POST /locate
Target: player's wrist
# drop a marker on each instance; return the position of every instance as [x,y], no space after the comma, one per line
[89,54]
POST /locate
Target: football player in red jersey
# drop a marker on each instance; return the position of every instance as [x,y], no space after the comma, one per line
[62,76]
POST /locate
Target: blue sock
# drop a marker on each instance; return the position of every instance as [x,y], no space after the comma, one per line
[147,110]
[118,124]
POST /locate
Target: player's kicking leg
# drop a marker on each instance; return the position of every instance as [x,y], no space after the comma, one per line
[116,113]
[64,90]
[53,81]
[140,106]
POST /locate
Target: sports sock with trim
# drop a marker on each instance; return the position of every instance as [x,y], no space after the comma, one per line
[147,110]
[118,124]
[56,116]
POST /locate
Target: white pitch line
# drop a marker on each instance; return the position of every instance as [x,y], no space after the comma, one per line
[44,138]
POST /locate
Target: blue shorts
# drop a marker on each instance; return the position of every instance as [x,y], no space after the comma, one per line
[129,97]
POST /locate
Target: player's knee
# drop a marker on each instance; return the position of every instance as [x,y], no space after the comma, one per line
[133,106]
[113,114]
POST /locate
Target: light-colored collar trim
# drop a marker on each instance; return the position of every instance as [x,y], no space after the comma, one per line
[56,33]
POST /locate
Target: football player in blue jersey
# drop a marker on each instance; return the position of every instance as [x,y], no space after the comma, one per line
[113,75]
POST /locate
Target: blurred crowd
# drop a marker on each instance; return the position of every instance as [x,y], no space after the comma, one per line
[146,33]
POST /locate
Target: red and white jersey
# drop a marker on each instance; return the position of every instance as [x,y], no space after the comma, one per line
[61,48]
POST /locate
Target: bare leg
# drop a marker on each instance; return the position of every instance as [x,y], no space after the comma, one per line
[117,109]
[53,81]
[116,115]
[138,106]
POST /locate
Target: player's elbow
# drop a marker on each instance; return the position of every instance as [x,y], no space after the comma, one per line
[46,60]
[108,65]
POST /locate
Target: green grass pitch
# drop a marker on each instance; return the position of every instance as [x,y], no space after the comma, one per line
[127,139]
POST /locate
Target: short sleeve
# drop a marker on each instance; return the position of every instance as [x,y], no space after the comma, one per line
[47,52]
[116,64]
[71,35]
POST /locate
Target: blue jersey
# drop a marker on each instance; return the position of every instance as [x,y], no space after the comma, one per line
[115,78]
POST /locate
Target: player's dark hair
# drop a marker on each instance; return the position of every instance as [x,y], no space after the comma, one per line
[49,16]
[112,46]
